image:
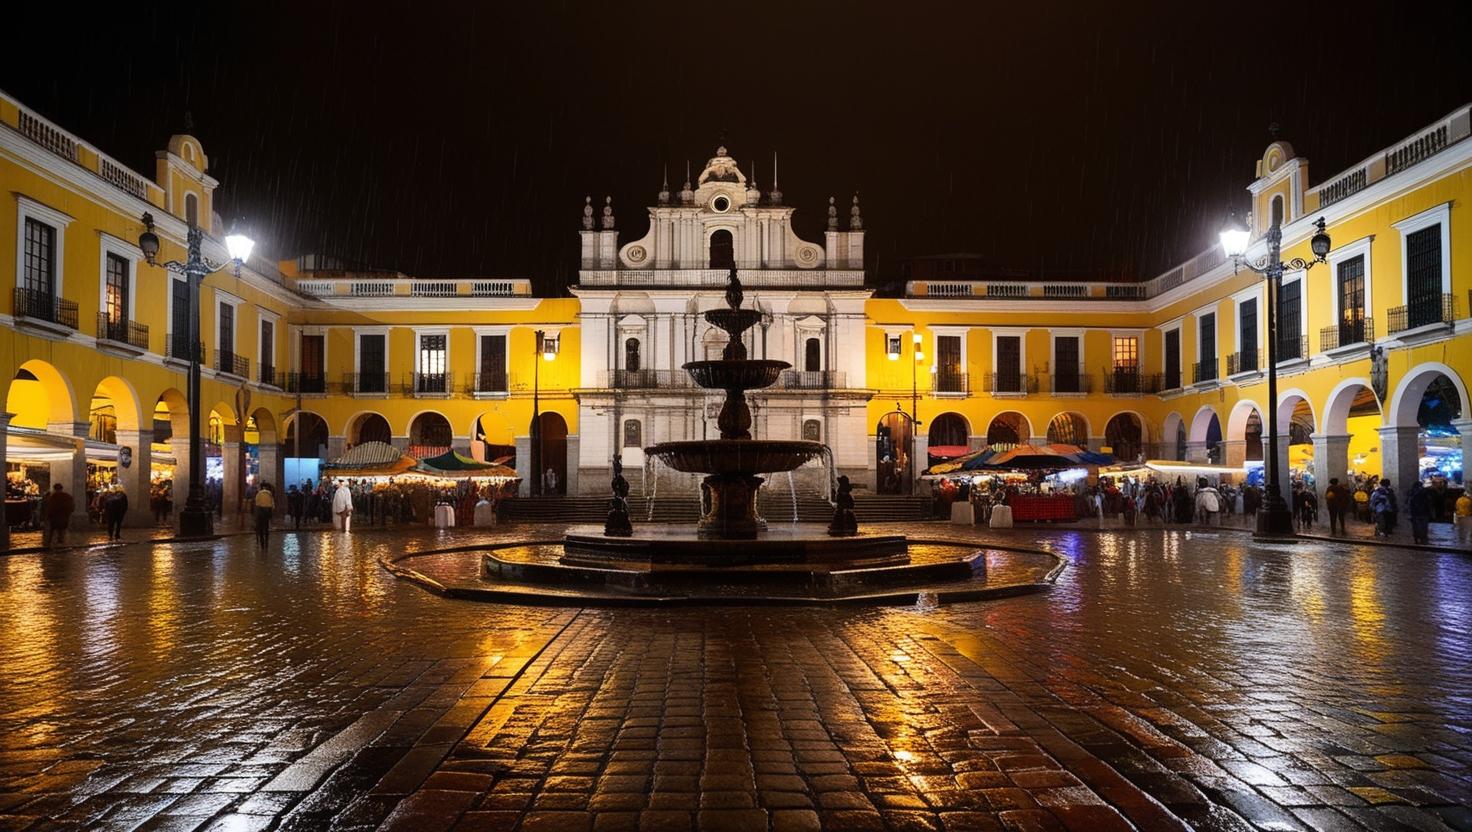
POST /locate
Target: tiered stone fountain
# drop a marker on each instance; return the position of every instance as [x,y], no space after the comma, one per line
[732,555]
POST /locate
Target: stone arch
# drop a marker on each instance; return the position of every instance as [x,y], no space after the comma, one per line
[551,438]
[1240,415]
[1069,427]
[1289,402]
[1201,423]
[315,435]
[367,426]
[430,429]
[893,442]
[1406,400]
[949,430]
[1335,419]
[1173,437]
[265,425]
[1125,435]
[40,396]
[173,403]
[1005,426]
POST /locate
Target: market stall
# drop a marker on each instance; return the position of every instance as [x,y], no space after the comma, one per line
[1035,497]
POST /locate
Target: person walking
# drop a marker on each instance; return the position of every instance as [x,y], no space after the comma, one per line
[1380,502]
[296,504]
[265,506]
[1463,516]
[1337,499]
[1208,504]
[59,508]
[342,508]
[114,510]
[1418,505]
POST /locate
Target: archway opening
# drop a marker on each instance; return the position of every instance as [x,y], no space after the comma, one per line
[1007,431]
[722,249]
[1300,428]
[492,439]
[893,440]
[1069,429]
[430,435]
[551,452]
[1439,444]
[369,427]
[304,448]
[949,436]
[1125,436]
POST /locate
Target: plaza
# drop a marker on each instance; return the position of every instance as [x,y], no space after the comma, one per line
[1170,679]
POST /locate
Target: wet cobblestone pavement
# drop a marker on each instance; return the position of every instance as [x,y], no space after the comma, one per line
[1169,680]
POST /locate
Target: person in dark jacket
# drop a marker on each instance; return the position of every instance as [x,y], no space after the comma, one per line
[1418,505]
[58,511]
[114,509]
[1337,498]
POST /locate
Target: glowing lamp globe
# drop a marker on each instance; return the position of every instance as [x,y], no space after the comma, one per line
[239,247]
[1234,237]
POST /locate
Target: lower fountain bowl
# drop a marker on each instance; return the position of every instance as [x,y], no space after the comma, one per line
[736,456]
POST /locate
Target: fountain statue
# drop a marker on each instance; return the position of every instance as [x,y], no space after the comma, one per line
[618,524]
[731,463]
[843,523]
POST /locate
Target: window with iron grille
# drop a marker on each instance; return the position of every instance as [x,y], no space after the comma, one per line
[1247,331]
[268,347]
[1423,276]
[1065,359]
[227,328]
[372,360]
[812,355]
[40,258]
[115,298]
[1290,320]
[1173,359]
[1009,363]
[493,363]
[1127,354]
[432,354]
[633,434]
[179,289]
[1351,300]
[1206,341]
[313,363]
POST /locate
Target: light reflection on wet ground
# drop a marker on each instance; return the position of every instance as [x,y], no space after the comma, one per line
[177,681]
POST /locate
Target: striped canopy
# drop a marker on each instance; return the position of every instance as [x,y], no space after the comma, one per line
[1024,458]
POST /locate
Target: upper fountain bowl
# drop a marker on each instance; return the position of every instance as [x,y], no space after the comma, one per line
[734,321]
[736,456]
[736,374]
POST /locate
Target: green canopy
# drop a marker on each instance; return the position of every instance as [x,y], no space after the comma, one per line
[452,464]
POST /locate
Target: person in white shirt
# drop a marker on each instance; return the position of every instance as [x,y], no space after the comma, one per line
[342,508]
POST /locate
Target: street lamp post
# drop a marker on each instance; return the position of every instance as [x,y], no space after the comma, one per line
[915,405]
[195,520]
[546,350]
[1275,518]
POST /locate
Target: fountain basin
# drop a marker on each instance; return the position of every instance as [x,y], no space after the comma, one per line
[796,546]
[729,457]
[734,321]
[743,374]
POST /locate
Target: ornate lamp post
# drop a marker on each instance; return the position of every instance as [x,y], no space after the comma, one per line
[915,405]
[195,520]
[547,348]
[1274,518]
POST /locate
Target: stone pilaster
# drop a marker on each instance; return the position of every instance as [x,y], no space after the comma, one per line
[72,473]
[1196,451]
[1400,455]
[134,478]
[230,486]
[1331,460]
[1234,452]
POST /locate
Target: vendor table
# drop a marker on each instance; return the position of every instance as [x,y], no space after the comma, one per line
[1042,507]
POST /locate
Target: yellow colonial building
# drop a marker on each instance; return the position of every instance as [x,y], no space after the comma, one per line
[304,359]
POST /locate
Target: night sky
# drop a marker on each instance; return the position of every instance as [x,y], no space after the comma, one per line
[1107,139]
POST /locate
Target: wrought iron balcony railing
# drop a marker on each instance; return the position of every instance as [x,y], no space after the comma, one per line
[1204,371]
[1292,346]
[177,347]
[365,384]
[266,374]
[305,383]
[1243,361]
[1071,381]
[1015,383]
[1423,311]
[492,382]
[648,379]
[427,384]
[1129,381]
[813,379]
[1346,334]
[45,306]
[232,363]
[950,382]
[122,331]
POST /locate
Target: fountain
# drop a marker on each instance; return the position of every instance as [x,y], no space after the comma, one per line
[732,555]
[731,463]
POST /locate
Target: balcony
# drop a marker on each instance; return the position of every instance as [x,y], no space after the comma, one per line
[492,382]
[1071,382]
[1205,372]
[1346,334]
[306,384]
[1129,381]
[122,332]
[266,374]
[176,348]
[812,379]
[1292,347]
[1427,310]
[44,308]
[232,363]
[1244,361]
[951,382]
[428,384]
[365,384]
[1009,383]
[647,379]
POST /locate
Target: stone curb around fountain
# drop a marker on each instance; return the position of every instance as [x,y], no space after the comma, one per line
[555,596]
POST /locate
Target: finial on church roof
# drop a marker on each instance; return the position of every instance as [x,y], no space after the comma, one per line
[608,213]
[587,213]
[664,188]
[832,214]
[753,193]
[775,195]
[687,196]
[855,220]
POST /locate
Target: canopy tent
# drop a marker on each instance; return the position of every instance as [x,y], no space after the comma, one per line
[450,465]
[370,459]
[948,451]
[1024,458]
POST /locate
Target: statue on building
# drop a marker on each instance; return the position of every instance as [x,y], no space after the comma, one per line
[832,214]
[587,213]
[855,220]
[608,213]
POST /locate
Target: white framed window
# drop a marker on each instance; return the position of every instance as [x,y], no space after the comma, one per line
[1292,321]
[1170,341]
[492,360]
[310,358]
[268,329]
[118,279]
[40,235]
[371,359]
[227,321]
[1352,286]
[1441,217]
